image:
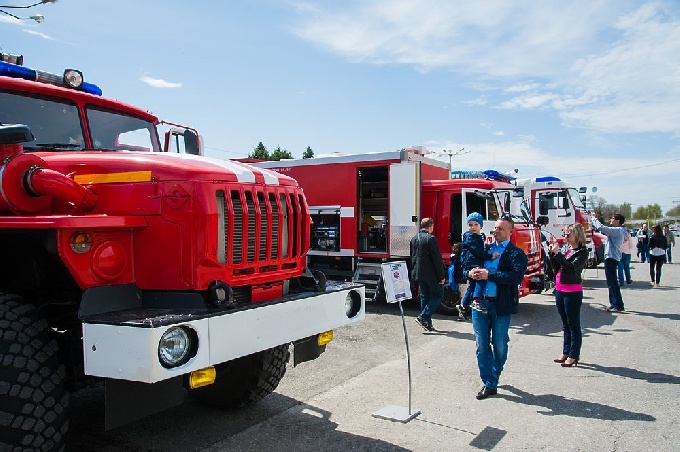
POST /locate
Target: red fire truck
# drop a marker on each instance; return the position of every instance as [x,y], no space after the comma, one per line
[562,205]
[366,208]
[144,265]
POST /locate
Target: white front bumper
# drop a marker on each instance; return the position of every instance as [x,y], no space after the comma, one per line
[130,351]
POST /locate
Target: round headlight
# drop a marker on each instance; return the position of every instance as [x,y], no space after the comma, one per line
[352,303]
[176,346]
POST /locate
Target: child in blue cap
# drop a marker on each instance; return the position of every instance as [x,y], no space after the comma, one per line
[473,254]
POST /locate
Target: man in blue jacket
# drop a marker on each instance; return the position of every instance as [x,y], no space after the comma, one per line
[503,276]
[428,270]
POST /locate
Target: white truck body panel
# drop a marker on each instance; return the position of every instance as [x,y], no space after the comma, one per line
[404,205]
[131,352]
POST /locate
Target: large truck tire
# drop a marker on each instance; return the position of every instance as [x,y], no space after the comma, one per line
[245,380]
[33,397]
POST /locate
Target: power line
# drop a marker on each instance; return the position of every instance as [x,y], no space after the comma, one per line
[622,170]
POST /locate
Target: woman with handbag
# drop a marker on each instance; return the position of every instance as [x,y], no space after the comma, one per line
[569,290]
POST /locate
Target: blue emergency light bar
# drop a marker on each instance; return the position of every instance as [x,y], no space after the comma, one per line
[71,78]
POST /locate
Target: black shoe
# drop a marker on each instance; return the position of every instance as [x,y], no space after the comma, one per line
[426,326]
[486,392]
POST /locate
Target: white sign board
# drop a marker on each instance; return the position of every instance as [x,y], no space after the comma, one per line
[395,278]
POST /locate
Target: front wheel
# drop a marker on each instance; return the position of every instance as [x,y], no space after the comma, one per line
[451,301]
[245,380]
[33,397]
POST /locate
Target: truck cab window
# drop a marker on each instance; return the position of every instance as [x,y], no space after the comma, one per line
[113,130]
[55,124]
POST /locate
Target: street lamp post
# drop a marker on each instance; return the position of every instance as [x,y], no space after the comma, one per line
[36,17]
[451,153]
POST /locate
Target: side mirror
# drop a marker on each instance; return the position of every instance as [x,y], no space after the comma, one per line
[582,189]
[191,142]
[518,192]
[542,220]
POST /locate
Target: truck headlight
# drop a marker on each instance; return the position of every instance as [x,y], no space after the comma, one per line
[177,346]
[352,303]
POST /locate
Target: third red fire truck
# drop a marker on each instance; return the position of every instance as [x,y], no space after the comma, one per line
[367,207]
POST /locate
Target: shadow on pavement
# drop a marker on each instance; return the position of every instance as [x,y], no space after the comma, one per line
[561,406]
[277,422]
[649,377]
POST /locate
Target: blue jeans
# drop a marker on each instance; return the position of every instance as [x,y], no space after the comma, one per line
[431,295]
[491,338]
[669,256]
[644,253]
[624,268]
[569,307]
[611,268]
[467,298]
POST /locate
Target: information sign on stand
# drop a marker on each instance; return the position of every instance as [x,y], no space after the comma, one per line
[398,288]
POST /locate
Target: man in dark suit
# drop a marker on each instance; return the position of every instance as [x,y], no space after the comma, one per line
[503,276]
[427,268]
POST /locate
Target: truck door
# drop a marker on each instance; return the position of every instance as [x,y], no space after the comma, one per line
[468,201]
[404,209]
[556,205]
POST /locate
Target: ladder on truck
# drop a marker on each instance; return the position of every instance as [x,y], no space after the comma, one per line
[369,273]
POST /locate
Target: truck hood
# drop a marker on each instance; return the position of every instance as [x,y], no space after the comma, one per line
[163,167]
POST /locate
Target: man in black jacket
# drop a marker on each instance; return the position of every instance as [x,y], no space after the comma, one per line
[428,270]
[503,276]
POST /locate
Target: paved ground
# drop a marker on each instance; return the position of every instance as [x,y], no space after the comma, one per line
[623,396]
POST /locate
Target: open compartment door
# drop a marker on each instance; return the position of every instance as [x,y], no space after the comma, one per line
[404,212]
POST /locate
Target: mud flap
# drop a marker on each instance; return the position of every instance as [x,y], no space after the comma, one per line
[307,350]
[129,401]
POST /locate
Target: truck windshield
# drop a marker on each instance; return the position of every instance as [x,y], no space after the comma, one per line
[57,126]
[576,199]
[55,123]
[117,131]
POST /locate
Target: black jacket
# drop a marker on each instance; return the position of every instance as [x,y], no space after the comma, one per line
[426,259]
[658,241]
[511,269]
[571,266]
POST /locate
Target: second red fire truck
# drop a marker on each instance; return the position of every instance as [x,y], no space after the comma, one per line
[366,208]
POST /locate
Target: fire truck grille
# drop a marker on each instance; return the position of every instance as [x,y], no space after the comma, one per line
[260,227]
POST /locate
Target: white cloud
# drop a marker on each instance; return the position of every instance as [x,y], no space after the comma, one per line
[605,65]
[41,35]
[159,83]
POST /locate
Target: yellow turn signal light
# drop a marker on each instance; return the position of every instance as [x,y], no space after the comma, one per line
[325,338]
[203,377]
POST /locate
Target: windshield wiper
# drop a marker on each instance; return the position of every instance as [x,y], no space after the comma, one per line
[56,146]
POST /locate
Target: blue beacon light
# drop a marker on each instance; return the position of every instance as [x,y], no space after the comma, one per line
[17,71]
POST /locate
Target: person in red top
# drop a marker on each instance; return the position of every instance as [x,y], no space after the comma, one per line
[569,290]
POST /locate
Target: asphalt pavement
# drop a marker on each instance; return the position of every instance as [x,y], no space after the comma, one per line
[623,396]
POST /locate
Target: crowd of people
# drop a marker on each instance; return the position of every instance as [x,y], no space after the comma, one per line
[494,270]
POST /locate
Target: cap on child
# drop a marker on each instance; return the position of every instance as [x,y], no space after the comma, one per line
[476,216]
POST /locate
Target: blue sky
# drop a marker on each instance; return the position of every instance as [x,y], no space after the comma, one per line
[586,90]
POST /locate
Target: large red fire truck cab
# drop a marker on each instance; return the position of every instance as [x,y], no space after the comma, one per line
[159,271]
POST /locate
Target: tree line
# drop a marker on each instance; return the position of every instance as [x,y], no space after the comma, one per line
[643,213]
[260,152]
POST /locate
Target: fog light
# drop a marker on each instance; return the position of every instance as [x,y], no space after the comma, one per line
[176,346]
[203,377]
[325,338]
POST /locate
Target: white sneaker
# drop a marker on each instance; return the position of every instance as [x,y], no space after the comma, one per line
[652,283]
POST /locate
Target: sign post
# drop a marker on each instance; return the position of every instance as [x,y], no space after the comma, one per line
[398,288]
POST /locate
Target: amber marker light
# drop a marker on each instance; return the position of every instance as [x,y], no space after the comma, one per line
[325,337]
[81,242]
[203,377]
